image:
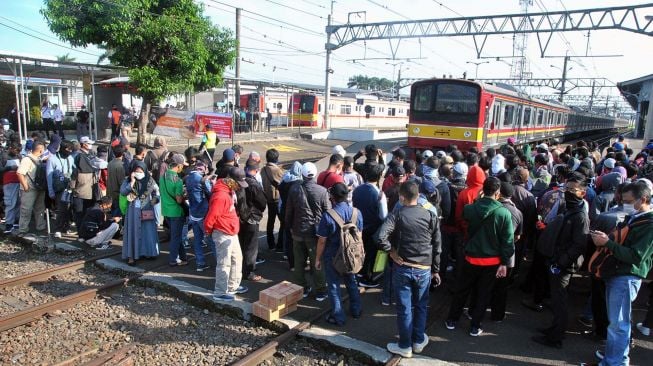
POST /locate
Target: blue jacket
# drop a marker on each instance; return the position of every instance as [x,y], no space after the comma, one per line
[198,194]
[60,164]
[368,200]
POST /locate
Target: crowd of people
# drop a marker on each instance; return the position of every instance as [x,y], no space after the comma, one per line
[478,221]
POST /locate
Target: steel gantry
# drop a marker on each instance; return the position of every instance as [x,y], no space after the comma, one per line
[554,83]
[631,18]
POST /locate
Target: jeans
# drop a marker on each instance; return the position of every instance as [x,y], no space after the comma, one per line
[176,247]
[32,201]
[229,261]
[104,236]
[481,280]
[12,207]
[412,288]
[248,237]
[620,292]
[370,253]
[388,295]
[198,233]
[333,288]
[304,247]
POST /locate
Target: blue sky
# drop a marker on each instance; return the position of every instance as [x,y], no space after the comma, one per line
[277,51]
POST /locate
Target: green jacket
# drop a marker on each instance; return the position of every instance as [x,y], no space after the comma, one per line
[636,253]
[491,237]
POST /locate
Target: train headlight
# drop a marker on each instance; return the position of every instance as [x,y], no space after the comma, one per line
[468,134]
[416,130]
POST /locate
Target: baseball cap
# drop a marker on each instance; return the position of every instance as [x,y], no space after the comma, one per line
[511,140]
[427,154]
[228,155]
[400,153]
[618,146]
[339,190]
[309,170]
[338,149]
[440,154]
[427,187]
[461,169]
[86,140]
[179,159]
[398,171]
[238,175]
[609,163]
[543,146]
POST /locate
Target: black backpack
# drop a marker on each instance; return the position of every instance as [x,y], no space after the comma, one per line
[39,181]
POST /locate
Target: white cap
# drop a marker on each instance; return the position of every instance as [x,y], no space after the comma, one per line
[309,170]
[338,149]
[498,164]
[609,163]
[440,154]
[461,169]
[543,146]
[86,140]
[427,154]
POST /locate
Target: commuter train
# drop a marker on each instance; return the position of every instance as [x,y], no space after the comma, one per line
[473,114]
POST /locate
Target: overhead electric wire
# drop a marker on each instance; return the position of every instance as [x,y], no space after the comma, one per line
[295,9]
[48,41]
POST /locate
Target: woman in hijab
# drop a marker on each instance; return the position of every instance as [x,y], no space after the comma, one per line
[289,178]
[140,238]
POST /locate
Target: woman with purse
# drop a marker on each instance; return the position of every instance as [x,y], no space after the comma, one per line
[140,237]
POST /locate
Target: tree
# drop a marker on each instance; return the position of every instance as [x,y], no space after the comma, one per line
[168,46]
[369,83]
[66,58]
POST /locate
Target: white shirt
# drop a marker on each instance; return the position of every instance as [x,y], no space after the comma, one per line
[46,112]
[58,115]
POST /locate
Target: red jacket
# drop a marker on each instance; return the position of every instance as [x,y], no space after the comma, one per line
[475,179]
[222,211]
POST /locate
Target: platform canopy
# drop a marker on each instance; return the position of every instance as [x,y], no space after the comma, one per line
[638,94]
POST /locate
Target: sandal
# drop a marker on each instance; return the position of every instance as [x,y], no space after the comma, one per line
[254,277]
[332,320]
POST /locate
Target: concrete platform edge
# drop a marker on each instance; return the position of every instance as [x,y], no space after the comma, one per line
[377,354]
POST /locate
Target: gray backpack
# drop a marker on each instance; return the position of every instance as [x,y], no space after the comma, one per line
[351,253]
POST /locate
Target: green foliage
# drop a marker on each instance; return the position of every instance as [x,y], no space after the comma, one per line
[369,83]
[7,97]
[35,113]
[169,46]
[34,100]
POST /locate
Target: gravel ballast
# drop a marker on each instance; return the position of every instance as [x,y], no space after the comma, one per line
[16,260]
[302,352]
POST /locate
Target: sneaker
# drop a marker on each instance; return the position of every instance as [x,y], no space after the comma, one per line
[57,234]
[642,329]
[202,267]
[599,354]
[225,297]
[321,296]
[419,347]
[385,302]
[450,324]
[8,230]
[367,284]
[186,244]
[104,246]
[403,352]
[307,291]
[475,332]
[241,290]
[585,321]
[260,261]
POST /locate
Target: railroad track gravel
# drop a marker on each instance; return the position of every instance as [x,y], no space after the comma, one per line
[16,260]
[303,352]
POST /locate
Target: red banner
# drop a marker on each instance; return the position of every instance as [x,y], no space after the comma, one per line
[220,123]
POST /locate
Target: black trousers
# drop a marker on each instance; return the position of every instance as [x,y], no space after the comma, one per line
[537,278]
[648,321]
[62,224]
[599,308]
[473,278]
[558,284]
[80,206]
[115,130]
[370,253]
[248,238]
[499,296]
[48,124]
[273,213]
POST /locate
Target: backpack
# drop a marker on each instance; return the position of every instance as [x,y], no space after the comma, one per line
[157,164]
[603,264]
[39,180]
[546,243]
[351,253]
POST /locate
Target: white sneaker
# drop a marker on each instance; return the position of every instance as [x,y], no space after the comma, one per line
[57,234]
[419,347]
[403,352]
[104,246]
[642,329]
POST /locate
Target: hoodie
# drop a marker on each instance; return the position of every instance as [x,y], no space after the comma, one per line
[490,231]
[475,179]
[222,212]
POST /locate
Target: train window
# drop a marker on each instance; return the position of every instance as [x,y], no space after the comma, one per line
[454,98]
[391,112]
[373,111]
[345,109]
[508,115]
[495,115]
[319,107]
[423,100]
[540,117]
[527,116]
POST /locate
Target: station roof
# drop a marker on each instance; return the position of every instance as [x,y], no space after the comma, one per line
[636,90]
[49,69]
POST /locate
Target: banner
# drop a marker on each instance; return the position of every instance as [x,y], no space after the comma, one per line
[220,123]
[175,123]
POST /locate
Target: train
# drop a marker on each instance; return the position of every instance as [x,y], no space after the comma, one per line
[469,114]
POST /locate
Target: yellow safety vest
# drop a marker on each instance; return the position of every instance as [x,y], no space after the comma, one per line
[210,139]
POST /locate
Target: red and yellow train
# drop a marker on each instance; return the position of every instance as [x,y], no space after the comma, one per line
[473,114]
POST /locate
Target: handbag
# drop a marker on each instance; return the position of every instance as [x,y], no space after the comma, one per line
[380,262]
[147,215]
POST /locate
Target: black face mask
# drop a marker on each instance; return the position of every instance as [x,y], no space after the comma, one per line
[572,200]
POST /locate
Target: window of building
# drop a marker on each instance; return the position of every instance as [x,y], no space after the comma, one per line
[345,109]
[391,112]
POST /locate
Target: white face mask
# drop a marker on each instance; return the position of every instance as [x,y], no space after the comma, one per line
[629,207]
[139,175]
[5,127]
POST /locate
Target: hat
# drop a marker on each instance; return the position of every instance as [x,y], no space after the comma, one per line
[115,142]
[400,153]
[618,146]
[86,140]
[427,187]
[511,140]
[448,160]
[338,149]
[649,146]
[179,159]
[238,175]
[228,155]
[498,162]
[5,121]
[309,170]
[398,171]
[339,190]
[440,154]
[461,169]
[646,181]
[427,154]
[609,163]
[543,146]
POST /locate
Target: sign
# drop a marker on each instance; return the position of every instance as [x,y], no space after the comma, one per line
[220,123]
[175,123]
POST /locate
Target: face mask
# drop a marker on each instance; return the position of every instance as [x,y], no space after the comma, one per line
[5,127]
[572,200]
[139,175]
[629,207]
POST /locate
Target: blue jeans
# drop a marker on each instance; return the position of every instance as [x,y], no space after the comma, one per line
[333,289]
[12,204]
[411,286]
[198,232]
[620,292]
[387,294]
[176,247]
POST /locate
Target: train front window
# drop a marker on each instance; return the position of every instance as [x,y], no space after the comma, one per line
[306,103]
[455,98]
[423,99]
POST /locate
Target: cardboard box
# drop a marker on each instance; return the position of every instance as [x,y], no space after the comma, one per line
[281,295]
[265,313]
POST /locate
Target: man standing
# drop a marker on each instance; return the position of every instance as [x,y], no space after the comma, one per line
[59,169]
[250,205]
[114,120]
[569,245]
[198,188]
[209,141]
[32,199]
[82,122]
[328,243]
[487,254]
[416,260]
[333,174]
[58,119]
[84,180]
[306,203]
[271,175]
[172,197]
[115,177]
[373,156]
[633,257]
[46,118]
[222,224]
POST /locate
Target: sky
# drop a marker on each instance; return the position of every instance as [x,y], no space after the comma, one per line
[284,41]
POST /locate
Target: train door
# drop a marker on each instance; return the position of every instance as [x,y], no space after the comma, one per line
[527,133]
[492,131]
[519,114]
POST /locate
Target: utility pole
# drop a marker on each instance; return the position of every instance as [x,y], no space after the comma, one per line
[327,72]
[397,83]
[591,103]
[564,79]
[237,93]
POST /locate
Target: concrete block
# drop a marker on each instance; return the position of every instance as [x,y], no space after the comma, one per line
[281,295]
[267,314]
